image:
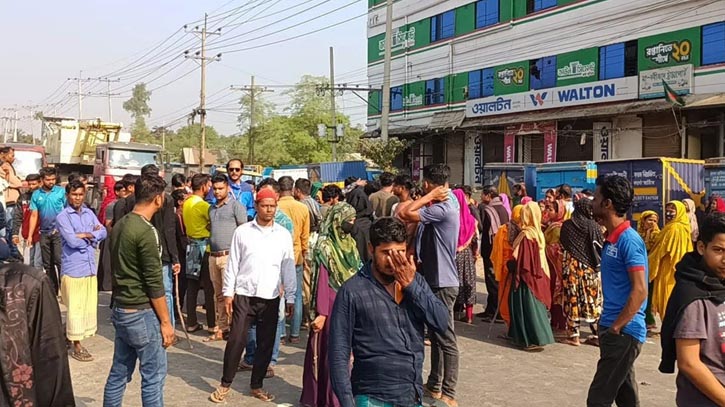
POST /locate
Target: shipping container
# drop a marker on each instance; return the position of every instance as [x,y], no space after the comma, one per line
[512,173]
[657,181]
[338,171]
[579,175]
[715,176]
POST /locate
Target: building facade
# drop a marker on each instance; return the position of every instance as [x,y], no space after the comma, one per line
[475,82]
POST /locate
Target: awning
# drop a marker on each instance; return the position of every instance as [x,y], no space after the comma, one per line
[706,101]
[447,120]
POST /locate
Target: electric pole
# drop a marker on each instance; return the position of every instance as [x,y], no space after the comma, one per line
[253,91]
[332,104]
[202,58]
[15,126]
[385,117]
[109,94]
[79,93]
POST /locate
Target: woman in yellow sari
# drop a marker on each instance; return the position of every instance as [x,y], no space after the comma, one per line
[502,254]
[672,243]
[648,228]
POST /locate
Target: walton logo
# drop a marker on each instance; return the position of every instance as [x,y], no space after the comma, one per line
[539,98]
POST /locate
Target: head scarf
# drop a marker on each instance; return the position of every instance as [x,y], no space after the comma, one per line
[526,200]
[468,222]
[580,232]
[316,187]
[514,224]
[358,200]
[109,185]
[335,249]
[673,241]
[506,203]
[649,236]
[694,229]
[560,213]
[720,204]
[531,229]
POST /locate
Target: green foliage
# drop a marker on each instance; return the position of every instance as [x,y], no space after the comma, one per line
[189,136]
[383,153]
[138,107]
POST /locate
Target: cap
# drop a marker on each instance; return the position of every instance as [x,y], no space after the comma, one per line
[266,193]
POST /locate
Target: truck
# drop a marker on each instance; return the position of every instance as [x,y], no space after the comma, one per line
[29,159]
[96,149]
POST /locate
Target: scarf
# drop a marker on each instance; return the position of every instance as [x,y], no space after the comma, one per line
[526,200]
[579,233]
[358,200]
[506,203]
[649,236]
[490,210]
[316,187]
[109,184]
[335,249]
[468,222]
[531,229]
[694,229]
[674,240]
[514,228]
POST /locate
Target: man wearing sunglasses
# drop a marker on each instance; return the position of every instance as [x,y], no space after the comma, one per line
[238,189]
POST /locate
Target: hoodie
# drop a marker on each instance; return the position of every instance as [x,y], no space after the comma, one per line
[692,283]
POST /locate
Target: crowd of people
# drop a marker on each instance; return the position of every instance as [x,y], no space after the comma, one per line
[375,271]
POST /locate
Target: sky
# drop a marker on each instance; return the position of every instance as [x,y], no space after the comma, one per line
[48,42]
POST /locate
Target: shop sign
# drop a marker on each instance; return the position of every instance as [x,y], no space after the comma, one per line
[511,76]
[662,53]
[574,95]
[401,39]
[602,141]
[509,145]
[680,79]
[478,159]
[576,70]
[413,100]
[670,49]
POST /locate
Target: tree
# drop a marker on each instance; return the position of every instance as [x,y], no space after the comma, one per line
[138,107]
[263,111]
[383,153]
[189,136]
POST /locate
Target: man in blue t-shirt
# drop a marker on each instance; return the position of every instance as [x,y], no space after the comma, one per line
[622,329]
[45,205]
[437,238]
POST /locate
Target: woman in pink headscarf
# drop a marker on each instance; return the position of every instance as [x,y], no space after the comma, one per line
[506,203]
[466,251]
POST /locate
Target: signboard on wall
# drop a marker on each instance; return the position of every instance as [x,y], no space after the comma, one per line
[670,49]
[511,78]
[602,141]
[547,130]
[575,95]
[577,67]
[679,78]
[509,144]
[478,159]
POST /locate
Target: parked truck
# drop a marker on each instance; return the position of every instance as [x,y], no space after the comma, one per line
[96,149]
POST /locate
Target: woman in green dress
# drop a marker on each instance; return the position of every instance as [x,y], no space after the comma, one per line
[530,296]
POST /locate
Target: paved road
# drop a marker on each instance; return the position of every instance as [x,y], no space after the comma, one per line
[491,372]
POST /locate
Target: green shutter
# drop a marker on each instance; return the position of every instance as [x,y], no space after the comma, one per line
[519,9]
[414,95]
[374,103]
[565,2]
[577,67]
[422,33]
[669,49]
[465,19]
[457,89]
[505,10]
[511,78]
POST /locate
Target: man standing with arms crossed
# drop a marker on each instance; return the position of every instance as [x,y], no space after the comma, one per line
[622,328]
[261,255]
[225,216]
[140,315]
[437,239]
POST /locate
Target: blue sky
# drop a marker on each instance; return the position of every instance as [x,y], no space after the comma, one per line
[47,42]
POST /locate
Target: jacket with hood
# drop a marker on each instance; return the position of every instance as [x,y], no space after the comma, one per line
[692,283]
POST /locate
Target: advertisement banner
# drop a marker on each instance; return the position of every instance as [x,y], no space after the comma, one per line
[478,159]
[680,79]
[509,144]
[577,67]
[602,141]
[670,49]
[511,78]
[575,95]
[549,142]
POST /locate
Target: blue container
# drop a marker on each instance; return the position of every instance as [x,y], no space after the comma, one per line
[514,172]
[338,171]
[715,176]
[657,181]
[579,175]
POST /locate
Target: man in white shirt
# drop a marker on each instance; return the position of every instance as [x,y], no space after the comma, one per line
[261,254]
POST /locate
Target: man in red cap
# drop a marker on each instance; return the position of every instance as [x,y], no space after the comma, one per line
[260,256]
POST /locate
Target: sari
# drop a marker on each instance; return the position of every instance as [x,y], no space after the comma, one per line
[555,257]
[694,228]
[671,245]
[335,259]
[104,272]
[501,255]
[649,237]
[465,262]
[530,291]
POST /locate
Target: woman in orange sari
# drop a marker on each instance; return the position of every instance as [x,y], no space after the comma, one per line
[555,257]
[501,255]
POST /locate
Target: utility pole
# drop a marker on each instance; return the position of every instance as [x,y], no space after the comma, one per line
[201,56]
[253,91]
[332,104]
[109,94]
[15,126]
[79,93]
[385,117]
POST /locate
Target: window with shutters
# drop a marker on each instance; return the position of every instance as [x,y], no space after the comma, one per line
[480,83]
[543,73]
[435,91]
[443,26]
[618,60]
[396,98]
[533,6]
[713,44]
[487,13]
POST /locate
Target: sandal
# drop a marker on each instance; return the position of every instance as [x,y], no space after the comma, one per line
[534,348]
[220,394]
[197,328]
[270,373]
[592,340]
[244,367]
[82,355]
[261,394]
[214,337]
[572,341]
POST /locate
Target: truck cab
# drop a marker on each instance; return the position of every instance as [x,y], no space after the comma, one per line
[117,159]
[29,159]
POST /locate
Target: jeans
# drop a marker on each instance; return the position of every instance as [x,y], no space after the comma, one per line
[245,312]
[296,322]
[252,339]
[9,212]
[192,291]
[614,379]
[444,349]
[168,275]
[50,248]
[35,257]
[138,336]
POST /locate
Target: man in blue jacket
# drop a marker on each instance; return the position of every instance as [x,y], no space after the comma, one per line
[238,189]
